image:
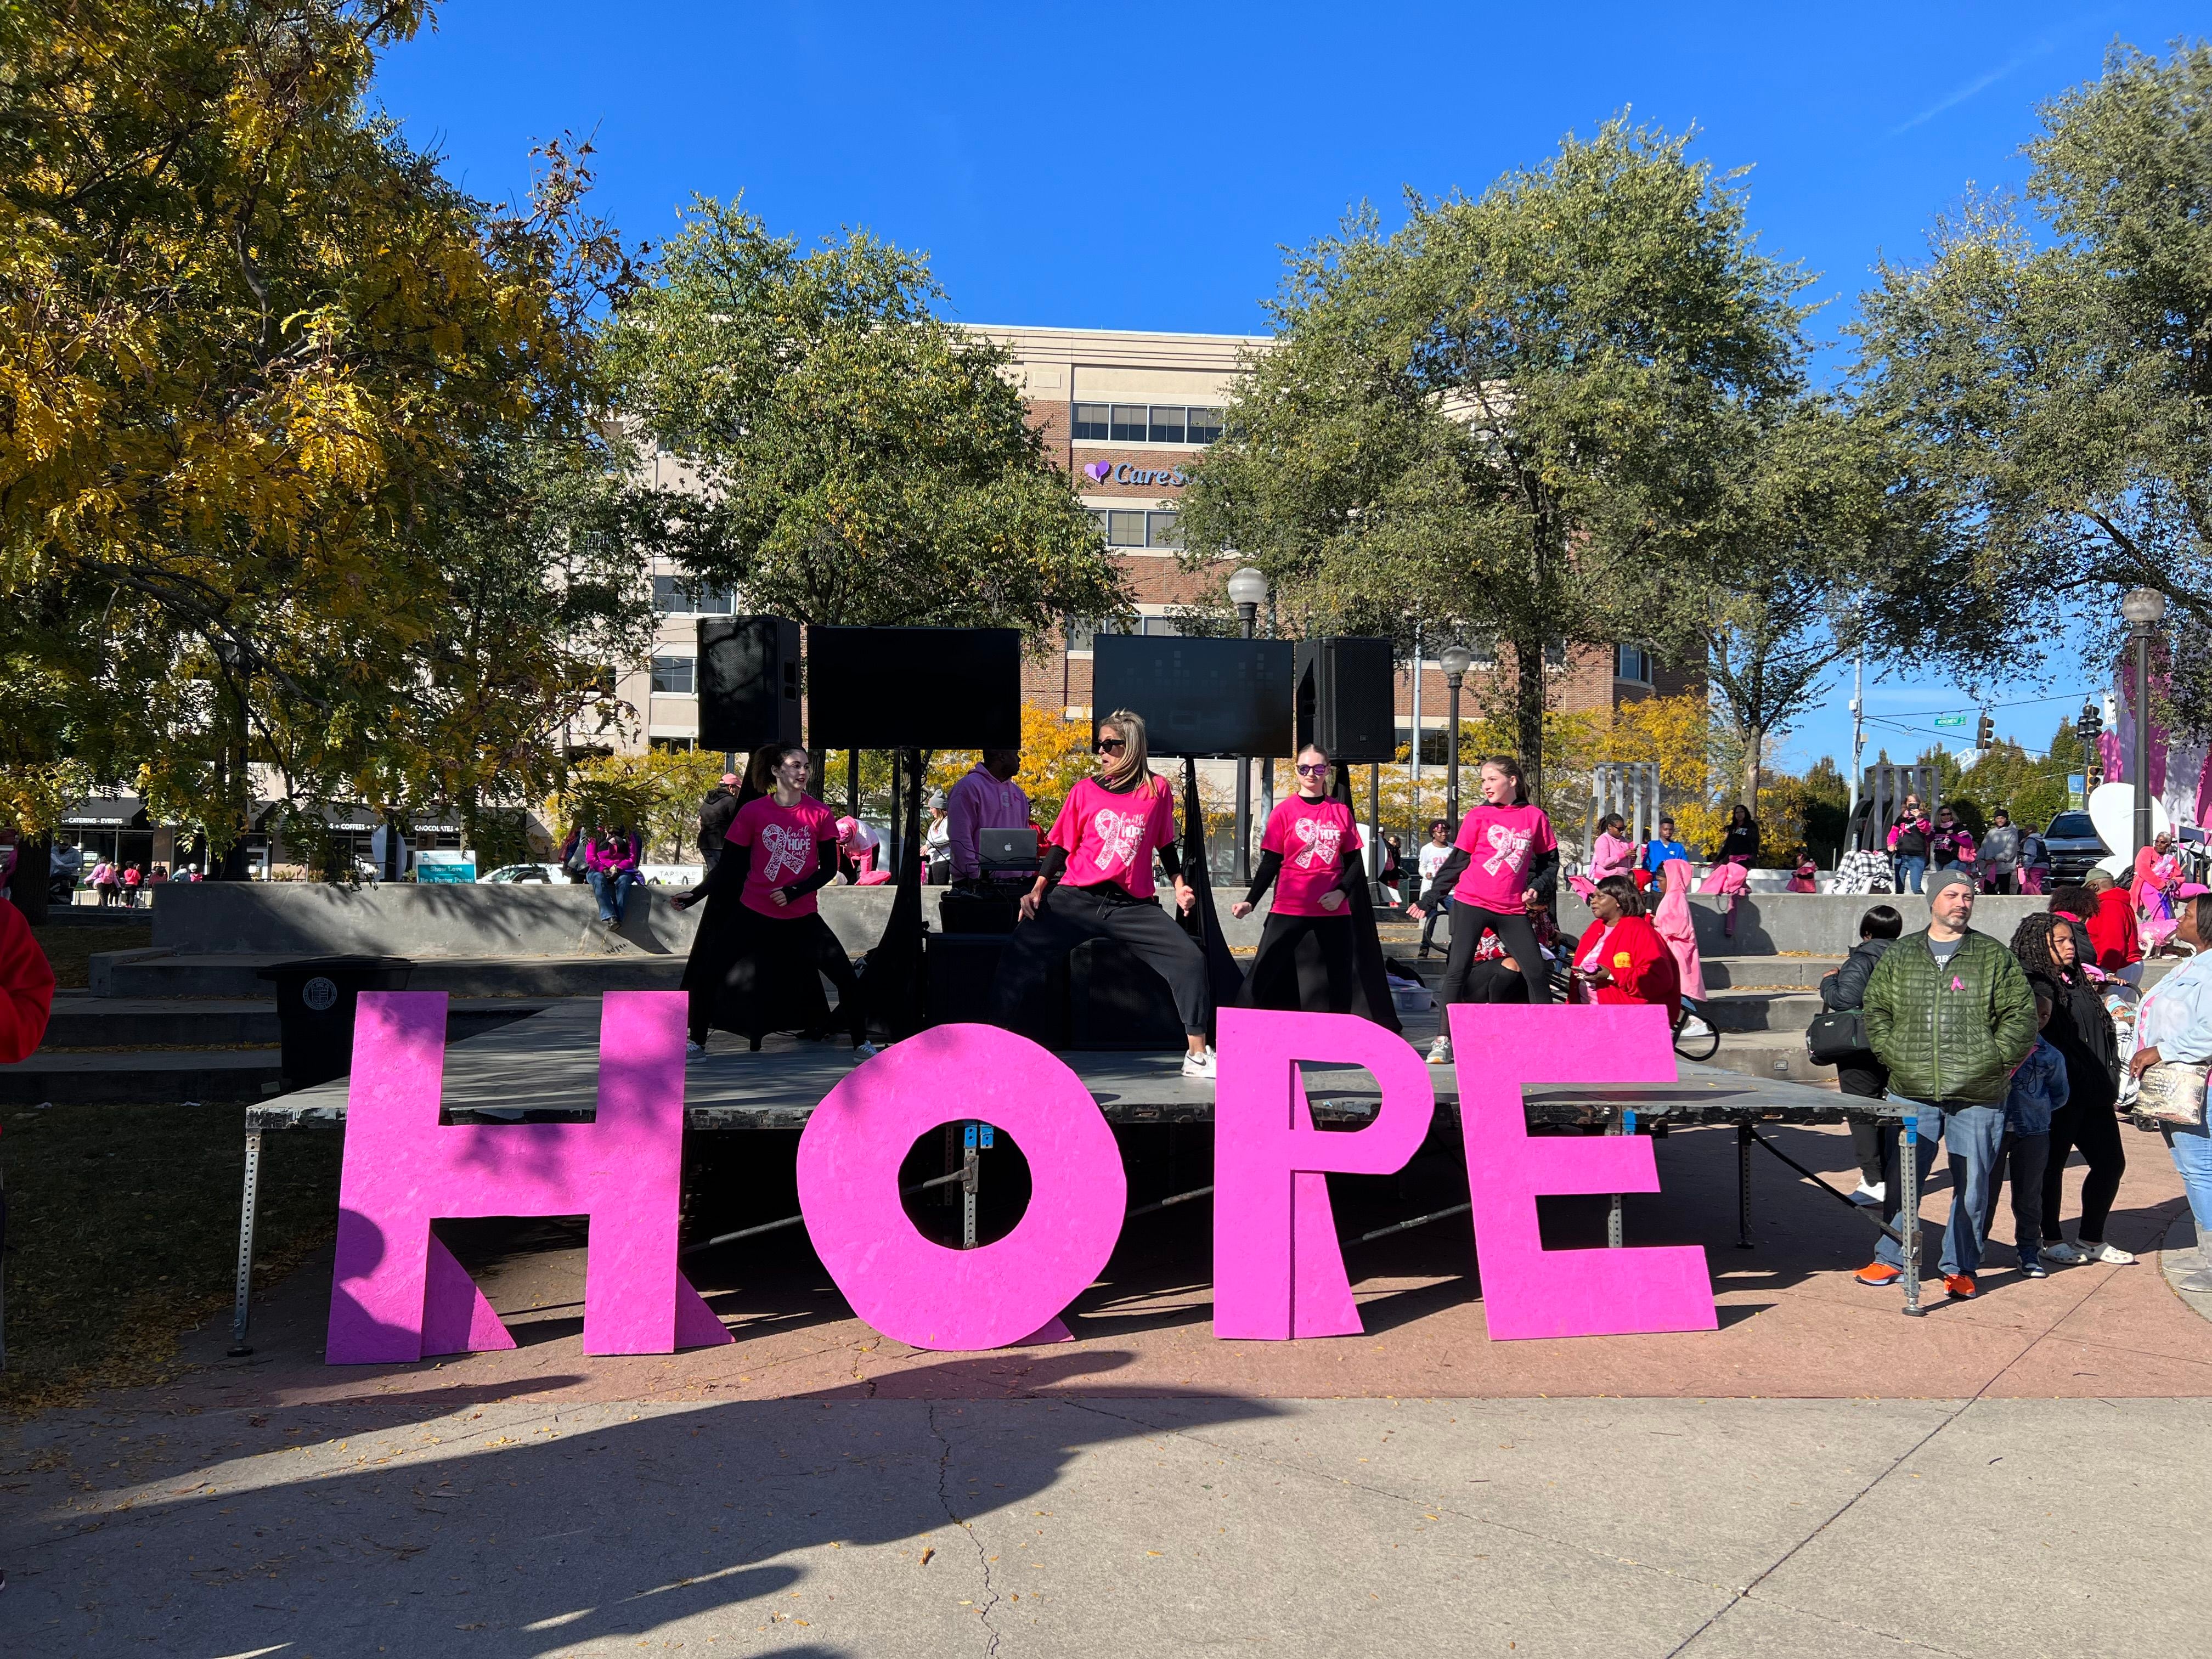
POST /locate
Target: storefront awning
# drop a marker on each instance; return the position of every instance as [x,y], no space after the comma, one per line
[108,813]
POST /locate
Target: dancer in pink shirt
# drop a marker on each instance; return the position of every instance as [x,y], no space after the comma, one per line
[1310,854]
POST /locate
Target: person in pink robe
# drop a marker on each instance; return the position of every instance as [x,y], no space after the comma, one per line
[1675,925]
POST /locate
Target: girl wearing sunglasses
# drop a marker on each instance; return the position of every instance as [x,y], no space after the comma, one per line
[1310,854]
[1096,882]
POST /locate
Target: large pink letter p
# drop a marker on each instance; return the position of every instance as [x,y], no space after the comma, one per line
[1278,1271]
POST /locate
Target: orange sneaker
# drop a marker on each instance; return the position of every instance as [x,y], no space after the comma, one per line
[1877,1274]
[1959,1287]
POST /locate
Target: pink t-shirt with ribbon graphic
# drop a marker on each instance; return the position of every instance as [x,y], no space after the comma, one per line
[1501,843]
[1313,837]
[1110,837]
[785,841]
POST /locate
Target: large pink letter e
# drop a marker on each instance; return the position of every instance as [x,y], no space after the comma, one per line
[397,1294]
[1527,1289]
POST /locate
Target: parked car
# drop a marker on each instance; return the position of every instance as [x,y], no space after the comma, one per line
[2074,847]
[512,873]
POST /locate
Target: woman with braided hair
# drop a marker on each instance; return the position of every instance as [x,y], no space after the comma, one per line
[2081,1028]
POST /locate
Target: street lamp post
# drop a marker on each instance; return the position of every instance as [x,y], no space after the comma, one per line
[2143,608]
[1248,590]
[1456,659]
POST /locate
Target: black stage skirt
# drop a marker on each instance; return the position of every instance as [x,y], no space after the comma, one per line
[1310,964]
[752,974]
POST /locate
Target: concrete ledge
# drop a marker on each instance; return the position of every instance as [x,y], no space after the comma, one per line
[429,921]
[1815,924]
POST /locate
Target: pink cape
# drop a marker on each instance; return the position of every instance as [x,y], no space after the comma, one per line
[1723,878]
[1676,926]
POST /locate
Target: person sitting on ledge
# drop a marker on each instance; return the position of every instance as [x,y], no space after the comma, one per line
[1096,882]
[1310,854]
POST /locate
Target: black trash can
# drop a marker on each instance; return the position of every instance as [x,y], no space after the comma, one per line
[315,1000]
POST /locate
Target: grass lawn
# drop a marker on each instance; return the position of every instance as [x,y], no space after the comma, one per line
[70,948]
[123,1235]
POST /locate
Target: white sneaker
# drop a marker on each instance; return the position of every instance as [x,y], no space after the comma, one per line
[2110,1255]
[1870,1194]
[1440,1051]
[693,1048]
[1694,1027]
[2065,1254]
[864,1051]
[1199,1066]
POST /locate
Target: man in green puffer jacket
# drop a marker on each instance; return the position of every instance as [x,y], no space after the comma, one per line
[1950,1012]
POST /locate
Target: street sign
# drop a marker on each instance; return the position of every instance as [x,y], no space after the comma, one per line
[1950,719]
[2077,789]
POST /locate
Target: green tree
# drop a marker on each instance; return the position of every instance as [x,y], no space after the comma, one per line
[2058,388]
[1514,416]
[856,459]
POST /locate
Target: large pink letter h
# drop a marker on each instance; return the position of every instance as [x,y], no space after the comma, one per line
[397,1294]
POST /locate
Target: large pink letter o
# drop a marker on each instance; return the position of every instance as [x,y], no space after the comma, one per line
[919,1292]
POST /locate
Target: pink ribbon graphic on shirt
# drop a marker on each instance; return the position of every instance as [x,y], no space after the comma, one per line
[787,850]
[1118,834]
[1507,845]
[1322,838]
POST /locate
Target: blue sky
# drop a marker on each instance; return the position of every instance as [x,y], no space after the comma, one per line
[1141,166]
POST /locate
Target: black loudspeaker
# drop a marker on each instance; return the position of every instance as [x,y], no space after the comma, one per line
[1348,698]
[748,681]
[1197,696]
[914,688]
[962,967]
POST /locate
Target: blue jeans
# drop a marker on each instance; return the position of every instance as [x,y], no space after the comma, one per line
[611,889]
[1973,1134]
[1909,873]
[2191,1147]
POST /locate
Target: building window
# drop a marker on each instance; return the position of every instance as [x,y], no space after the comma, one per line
[680,596]
[1078,632]
[1635,662]
[673,746]
[672,676]
[1128,527]
[1145,423]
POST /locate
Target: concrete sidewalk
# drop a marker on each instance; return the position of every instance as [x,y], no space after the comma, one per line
[1075,1525]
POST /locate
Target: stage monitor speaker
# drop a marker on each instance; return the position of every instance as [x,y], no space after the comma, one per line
[1348,697]
[1114,1001]
[914,688]
[1197,696]
[962,967]
[748,681]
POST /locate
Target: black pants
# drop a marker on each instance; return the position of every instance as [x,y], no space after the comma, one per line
[2023,1159]
[1867,1078]
[1070,916]
[1519,938]
[1305,964]
[2096,1131]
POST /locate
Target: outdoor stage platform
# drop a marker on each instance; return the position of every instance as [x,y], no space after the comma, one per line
[544,1069]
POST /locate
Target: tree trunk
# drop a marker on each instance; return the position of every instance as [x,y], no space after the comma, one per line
[26,886]
[1753,750]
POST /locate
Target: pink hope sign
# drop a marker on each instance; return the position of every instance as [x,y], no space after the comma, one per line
[397,1294]
[911,1288]
[1527,1289]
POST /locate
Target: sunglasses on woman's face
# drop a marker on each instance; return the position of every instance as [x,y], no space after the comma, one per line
[1110,745]
[1313,771]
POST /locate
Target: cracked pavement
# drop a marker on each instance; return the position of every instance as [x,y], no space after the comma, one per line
[1060,1525]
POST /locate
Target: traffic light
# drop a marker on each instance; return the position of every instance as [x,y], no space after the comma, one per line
[1985,732]
[2090,728]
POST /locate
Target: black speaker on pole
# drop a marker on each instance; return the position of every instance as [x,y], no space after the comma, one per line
[748,681]
[1348,697]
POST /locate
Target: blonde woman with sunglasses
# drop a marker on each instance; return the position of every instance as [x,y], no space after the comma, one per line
[1310,854]
[1096,882]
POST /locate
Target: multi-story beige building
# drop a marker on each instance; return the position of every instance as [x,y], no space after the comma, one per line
[1124,414]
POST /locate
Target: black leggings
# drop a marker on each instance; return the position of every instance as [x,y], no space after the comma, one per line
[775,945]
[1518,937]
[1328,984]
[1070,916]
[2096,1131]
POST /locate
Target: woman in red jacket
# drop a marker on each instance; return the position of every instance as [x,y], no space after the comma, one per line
[1621,958]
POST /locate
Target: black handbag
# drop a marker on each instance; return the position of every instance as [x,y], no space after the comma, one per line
[1835,1034]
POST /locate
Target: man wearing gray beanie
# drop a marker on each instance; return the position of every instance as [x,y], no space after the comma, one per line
[1950,1012]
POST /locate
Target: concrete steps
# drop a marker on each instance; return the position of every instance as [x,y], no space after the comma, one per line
[164,974]
[141,1075]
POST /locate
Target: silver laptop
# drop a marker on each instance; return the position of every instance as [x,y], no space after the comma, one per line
[1006,850]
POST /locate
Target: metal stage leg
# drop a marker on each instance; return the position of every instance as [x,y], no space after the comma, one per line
[1908,1213]
[1743,1139]
[248,1204]
[971,1177]
[1623,1124]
